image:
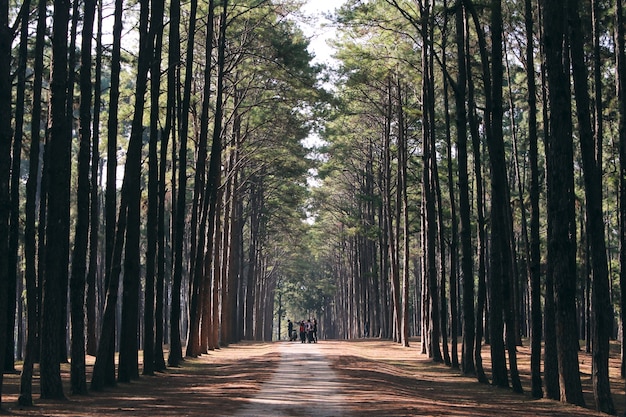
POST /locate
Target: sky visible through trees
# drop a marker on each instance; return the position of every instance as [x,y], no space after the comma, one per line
[176,177]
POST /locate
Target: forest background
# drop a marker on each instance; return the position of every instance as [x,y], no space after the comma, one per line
[156,190]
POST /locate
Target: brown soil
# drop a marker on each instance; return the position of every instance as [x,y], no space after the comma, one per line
[380,378]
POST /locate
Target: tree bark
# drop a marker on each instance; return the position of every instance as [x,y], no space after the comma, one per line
[5,166]
[467,355]
[57,232]
[176,352]
[535,253]
[560,194]
[196,346]
[156,28]
[81,235]
[30,243]
[620,33]
[592,170]
[94,230]
[14,220]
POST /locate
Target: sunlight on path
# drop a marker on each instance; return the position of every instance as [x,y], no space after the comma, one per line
[303,384]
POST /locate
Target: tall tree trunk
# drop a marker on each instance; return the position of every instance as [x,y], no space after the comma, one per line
[176,353]
[481,293]
[402,189]
[502,265]
[14,221]
[131,188]
[156,28]
[550,360]
[535,254]
[620,35]
[94,234]
[430,222]
[454,226]
[173,73]
[467,355]
[81,235]
[389,223]
[560,193]
[231,230]
[592,167]
[200,202]
[30,244]
[5,167]
[105,357]
[57,231]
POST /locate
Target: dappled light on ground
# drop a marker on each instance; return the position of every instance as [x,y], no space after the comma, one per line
[332,378]
[397,381]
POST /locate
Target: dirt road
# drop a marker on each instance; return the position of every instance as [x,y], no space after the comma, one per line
[303,384]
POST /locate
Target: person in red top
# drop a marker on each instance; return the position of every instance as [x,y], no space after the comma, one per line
[302,332]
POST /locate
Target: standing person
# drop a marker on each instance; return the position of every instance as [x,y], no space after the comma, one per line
[302,332]
[309,331]
[290,330]
[314,330]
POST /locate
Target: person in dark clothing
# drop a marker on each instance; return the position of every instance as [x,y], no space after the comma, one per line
[314,330]
[290,330]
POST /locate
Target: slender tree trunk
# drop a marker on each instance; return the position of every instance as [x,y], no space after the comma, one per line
[430,222]
[467,356]
[170,120]
[592,167]
[550,360]
[156,28]
[104,375]
[94,234]
[454,227]
[620,33]
[30,243]
[504,266]
[176,354]
[200,202]
[481,296]
[14,220]
[560,193]
[402,188]
[131,188]
[81,236]
[5,167]
[535,254]
[389,225]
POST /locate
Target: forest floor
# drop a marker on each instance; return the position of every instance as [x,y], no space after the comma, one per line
[332,378]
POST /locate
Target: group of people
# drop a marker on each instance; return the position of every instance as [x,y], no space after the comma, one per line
[307,331]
